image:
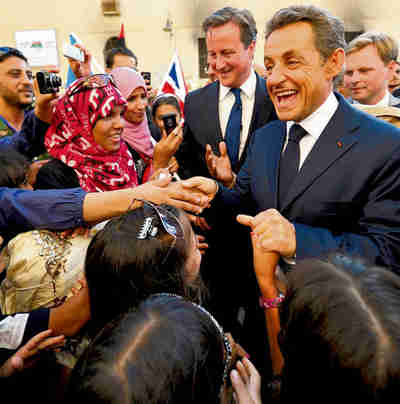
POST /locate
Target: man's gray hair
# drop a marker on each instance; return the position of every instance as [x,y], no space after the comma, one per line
[241,17]
[328,29]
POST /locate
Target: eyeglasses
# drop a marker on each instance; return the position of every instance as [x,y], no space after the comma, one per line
[169,221]
[6,50]
[92,82]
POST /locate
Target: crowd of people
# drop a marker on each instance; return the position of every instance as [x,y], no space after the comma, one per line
[249,254]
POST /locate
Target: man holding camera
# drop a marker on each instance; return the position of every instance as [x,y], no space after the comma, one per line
[16,91]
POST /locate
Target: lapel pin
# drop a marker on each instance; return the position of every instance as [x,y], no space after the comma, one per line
[340,144]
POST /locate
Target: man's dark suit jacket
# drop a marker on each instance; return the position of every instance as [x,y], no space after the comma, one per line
[202,126]
[347,194]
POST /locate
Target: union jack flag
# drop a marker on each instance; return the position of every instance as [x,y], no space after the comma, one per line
[174,81]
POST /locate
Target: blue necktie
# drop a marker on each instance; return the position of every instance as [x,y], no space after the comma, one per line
[290,161]
[232,133]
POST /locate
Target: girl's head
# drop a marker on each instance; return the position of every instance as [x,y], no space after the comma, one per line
[148,250]
[162,105]
[340,330]
[167,351]
[14,169]
[133,88]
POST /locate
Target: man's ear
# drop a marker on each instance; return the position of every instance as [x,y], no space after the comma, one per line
[335,63]
[391,66]
[251,48]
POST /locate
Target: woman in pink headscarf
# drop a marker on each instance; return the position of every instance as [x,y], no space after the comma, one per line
[136,130]
[86,135]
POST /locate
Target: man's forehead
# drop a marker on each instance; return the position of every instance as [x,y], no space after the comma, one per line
[14,62]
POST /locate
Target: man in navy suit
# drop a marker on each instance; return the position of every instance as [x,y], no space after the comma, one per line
[345,194]
[231,39]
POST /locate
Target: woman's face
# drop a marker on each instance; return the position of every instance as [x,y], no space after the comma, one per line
[107,131]
[136,108]
[163,110]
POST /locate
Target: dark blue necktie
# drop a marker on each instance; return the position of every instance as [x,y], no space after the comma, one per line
[290,161]
[232,133]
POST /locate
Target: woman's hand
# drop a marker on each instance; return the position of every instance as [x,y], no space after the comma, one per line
[167,147]
[81,69]
[246,382]
[29,353]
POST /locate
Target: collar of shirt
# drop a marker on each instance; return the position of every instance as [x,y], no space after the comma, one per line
[248,87]
[315,123]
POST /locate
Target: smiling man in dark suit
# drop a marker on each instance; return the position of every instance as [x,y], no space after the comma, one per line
[231,39]
[326,176]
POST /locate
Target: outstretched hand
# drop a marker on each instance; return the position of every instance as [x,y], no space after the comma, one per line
[162,190]
[219,167]
[201,185]
[29,353]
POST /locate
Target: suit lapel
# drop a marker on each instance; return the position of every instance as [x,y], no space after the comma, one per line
[336,139]
[210,115]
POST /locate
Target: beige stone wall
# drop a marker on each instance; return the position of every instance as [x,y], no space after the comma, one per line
[144,21]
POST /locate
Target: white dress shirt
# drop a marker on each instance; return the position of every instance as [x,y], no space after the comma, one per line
[314,124]
[226,101]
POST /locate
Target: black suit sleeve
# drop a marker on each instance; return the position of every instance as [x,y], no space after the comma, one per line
[190,154]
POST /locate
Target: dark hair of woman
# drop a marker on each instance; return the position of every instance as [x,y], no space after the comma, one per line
[166,351]
[13,169]
[341,332]
[164,99]
[56,175]
[122,268]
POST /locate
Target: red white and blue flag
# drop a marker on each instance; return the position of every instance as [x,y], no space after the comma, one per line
[174,81]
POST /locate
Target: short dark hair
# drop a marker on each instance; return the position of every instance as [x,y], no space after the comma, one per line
[341,331]
[56,175]
[166,351]
[328,29]
[13,168]
[111,53]
[241,17]
[164,99]
[7,52]
[122,270]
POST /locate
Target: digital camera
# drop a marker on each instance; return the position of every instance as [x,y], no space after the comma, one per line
[48,82]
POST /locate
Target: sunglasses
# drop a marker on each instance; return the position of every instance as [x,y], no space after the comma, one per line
[92,82]
[169,221]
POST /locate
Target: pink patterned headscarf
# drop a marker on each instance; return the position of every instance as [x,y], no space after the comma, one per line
[137,135]
[70,139]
